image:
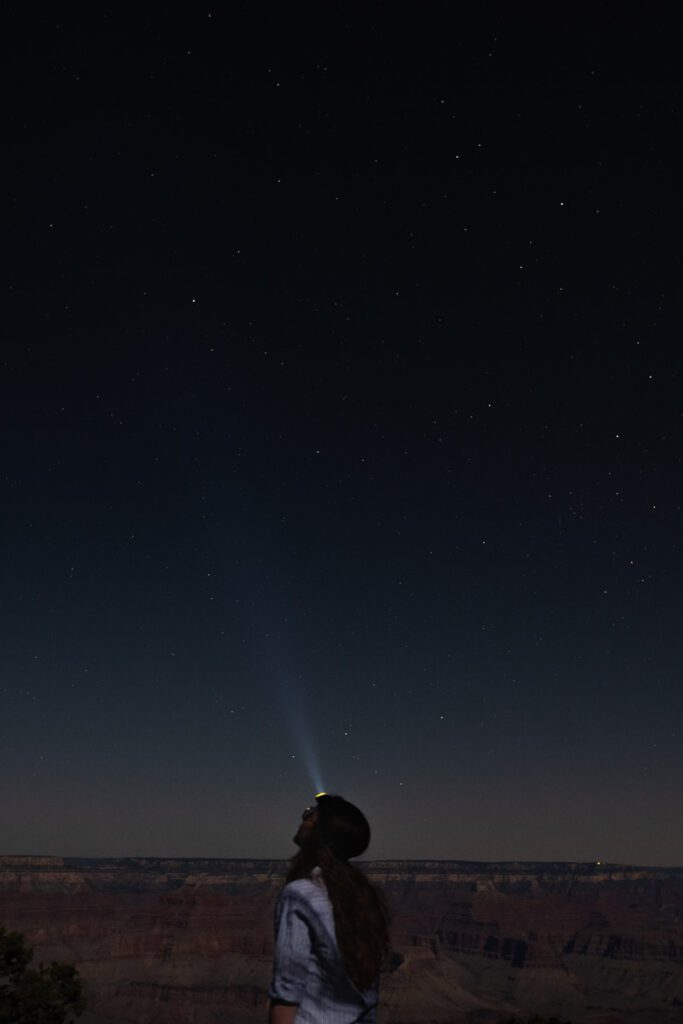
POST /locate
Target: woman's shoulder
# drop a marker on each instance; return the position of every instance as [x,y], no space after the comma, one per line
[305,889]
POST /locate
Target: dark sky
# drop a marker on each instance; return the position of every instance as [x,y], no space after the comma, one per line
[341,406]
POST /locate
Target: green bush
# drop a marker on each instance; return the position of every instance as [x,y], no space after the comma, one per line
[43,995]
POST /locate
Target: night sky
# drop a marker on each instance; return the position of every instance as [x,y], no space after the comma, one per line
[341,404]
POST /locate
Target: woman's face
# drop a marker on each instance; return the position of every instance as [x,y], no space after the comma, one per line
[306,830]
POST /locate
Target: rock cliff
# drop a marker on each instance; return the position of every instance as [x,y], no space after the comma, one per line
[166,941]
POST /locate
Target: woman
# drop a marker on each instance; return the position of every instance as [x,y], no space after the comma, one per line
[330,924]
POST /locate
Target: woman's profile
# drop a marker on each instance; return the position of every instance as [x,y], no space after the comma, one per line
[330,923]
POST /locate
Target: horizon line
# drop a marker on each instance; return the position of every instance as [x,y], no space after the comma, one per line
[603,865]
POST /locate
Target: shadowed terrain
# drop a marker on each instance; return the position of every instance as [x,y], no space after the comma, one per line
[170,941]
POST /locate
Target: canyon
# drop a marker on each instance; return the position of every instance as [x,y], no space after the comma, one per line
[163,941]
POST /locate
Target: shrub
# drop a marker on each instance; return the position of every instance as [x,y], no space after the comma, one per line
[43,995]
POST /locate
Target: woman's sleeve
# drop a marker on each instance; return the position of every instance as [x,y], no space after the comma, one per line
[292,949]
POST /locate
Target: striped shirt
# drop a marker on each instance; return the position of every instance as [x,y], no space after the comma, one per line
[308,968]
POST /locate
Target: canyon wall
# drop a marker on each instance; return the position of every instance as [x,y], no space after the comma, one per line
[171,941]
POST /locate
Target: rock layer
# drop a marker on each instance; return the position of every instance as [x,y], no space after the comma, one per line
[166,941]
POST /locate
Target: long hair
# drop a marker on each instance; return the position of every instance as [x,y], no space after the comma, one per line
[360,913]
